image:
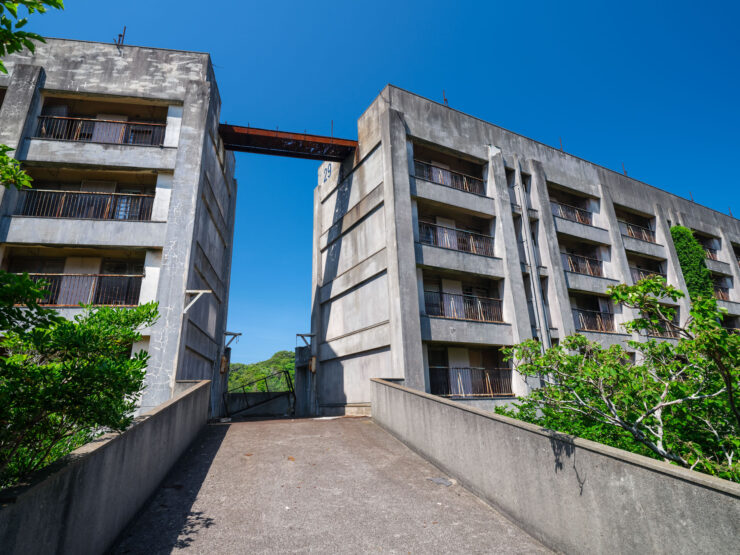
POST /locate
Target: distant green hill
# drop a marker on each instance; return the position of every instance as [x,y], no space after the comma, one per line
[242,374]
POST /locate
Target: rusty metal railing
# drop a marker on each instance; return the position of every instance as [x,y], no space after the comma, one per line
[711,254]
[71,290]
[456,239]
[573,213]
[637,232]
[449,178]
[593,320]
[721,293]
[470,382]
[579,264]
[644,273]
[100,131]
[43,203]
[463,307]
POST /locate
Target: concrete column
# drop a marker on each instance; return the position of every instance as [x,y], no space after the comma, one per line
[17,117]
[162,195]
[152,266]
[515,308]
[728,254]
[174,122]
[560,309]
[165,343]
[673,267]
[420,288]
[403,296]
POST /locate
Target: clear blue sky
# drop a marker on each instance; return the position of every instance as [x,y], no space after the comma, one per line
[652,86]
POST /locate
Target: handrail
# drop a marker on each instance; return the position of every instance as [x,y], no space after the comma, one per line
[572,213]
[73,289]
[456,239]
[82,129]
[643,273]
[448,178]
[93,205]
[463,307]
[638,232]
[586,265]
[593,320]
[470,382]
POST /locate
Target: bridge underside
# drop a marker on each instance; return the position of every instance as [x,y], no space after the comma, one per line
[283,143]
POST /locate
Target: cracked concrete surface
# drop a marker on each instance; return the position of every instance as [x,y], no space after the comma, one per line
[339,485]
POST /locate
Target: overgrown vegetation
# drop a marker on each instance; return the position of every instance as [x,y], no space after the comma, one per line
[692,258]
[242,374]
[675,401]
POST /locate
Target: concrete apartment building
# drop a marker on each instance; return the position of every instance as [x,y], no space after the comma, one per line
[447,237]
[133,196]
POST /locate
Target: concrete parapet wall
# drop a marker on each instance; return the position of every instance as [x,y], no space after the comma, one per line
[82,503]
[574,495]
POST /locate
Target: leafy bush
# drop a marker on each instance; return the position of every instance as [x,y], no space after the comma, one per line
[692,258]
[675,401]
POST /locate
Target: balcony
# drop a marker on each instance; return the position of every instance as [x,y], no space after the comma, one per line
[449,178]
[583,265]
[644,273]
[572,213]
[455,239]
[89,130]
[69,290]
[41,203]
[463,307]
[470,382]
[721,293]
[637,231]
[593,320]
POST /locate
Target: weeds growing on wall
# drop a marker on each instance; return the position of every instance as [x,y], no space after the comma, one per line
[691,257]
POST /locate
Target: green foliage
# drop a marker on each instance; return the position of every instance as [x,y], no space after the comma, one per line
[19,308]
[678,402]
[242,374]
[12,37]
[11,174]
[691,257]
[63,381]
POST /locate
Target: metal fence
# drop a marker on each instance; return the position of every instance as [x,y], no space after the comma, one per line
[456,239]
[644,273]
[463,307]
[593,320]
[100,131]
[470,382]
[637,232]
[449,178]
[573,213]
[69,290]
[84,205]
[583,265]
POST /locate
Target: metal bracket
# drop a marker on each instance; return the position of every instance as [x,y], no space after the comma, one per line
[198,294]
[304,336]
[232,335]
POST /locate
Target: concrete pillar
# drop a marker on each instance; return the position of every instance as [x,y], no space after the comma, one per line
[152,266]
[560,309]
[165,343]
[403,296]
[20,107]
[162,195]
[420,288]
[174,122]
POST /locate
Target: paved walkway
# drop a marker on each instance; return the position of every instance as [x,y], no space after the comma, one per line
[322,485]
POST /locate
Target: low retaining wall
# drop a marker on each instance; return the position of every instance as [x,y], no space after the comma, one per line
[81,504]
[574,495]
[267,404]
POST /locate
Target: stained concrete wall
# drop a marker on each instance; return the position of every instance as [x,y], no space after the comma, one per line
[574,495]
[82,503]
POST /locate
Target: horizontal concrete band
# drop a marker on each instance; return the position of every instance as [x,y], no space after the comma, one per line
[82,503]
[574,495]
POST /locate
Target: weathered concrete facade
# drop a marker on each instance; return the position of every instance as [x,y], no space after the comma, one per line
[447,237]
[134,196]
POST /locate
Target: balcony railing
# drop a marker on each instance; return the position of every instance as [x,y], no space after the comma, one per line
[456,239]
[711,254]
[449,178]
[637,232]
[100,131]
[643,273]
[583,265]
[573,213]
[470,382]
[593,320]
[666,333]
[91,206]
[69,290]
[463,307]
[721,293]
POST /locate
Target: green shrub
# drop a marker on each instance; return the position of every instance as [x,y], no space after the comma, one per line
[691,257]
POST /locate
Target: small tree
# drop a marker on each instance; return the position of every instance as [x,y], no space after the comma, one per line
[61,383]
[673,401]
